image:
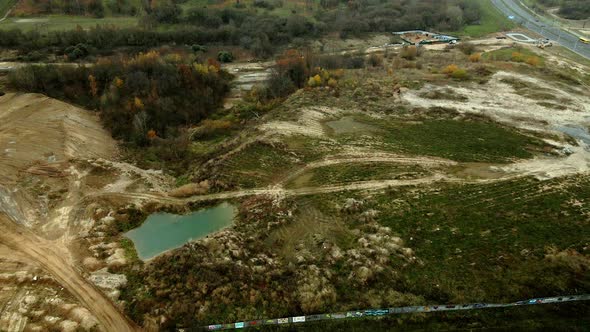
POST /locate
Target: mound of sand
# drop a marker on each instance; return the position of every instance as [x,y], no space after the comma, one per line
[37,130]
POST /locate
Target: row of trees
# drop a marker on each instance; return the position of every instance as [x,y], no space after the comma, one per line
[294,70]
[260,33]
[356,17]
[572,9]
[138,98]
[94,8]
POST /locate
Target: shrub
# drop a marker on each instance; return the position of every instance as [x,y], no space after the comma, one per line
[33,56]
[475,57]
[375,60]
[278,85]
[294,66]
[331,61]
[76,52]
[332,83]
[409,52]
[356,62]
[459,74]
[198,48]
[466,48]
[533,61]
[225,56]
[450,69]
[263,4]
[455,72]
[517,57]
[315,81]
[337,74]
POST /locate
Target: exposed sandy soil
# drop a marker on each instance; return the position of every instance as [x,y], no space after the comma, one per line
[52,257]
[308,123]
[42,180]
[35,129]
[506,106]
[509,107]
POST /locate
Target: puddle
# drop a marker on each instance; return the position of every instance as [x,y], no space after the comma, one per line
[348,125]
[164,231]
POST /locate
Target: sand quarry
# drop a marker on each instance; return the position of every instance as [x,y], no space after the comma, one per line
[61,178]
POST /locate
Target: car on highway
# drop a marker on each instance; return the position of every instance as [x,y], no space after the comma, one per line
[585,40]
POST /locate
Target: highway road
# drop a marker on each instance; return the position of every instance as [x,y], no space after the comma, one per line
[542,26]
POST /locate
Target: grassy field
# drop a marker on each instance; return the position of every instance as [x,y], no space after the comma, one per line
[506,54]
[495,242]
[468,141]
[491,21]
[5,5]
[261,164]
[63,22]
[337,174]
[491,242]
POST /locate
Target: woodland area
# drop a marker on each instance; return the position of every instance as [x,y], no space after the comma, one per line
[572,9]
[247,27]
[140,98]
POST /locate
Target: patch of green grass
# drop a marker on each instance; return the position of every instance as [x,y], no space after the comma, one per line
[344,173]
[460,140]
[129,247]
[201,148]
[492,20]
[506,54]
[5,5]
[261,163]
[488,242]
[64,22]
[257,165]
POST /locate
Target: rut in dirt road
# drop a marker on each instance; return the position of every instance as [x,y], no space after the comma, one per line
[53,260]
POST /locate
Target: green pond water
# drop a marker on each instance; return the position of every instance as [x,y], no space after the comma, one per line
[164,231]
[348,125]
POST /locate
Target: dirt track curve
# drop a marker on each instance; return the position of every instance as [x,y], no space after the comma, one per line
[52,257]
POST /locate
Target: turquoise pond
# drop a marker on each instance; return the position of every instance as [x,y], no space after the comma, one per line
[164,231]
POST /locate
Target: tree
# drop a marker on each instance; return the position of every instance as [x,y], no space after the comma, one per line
[455,17]
[292,64]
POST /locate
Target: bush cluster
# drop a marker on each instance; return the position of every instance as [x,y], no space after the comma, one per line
[455,72]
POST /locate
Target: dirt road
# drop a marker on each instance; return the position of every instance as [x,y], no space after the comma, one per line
[52,257]
[279,191]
